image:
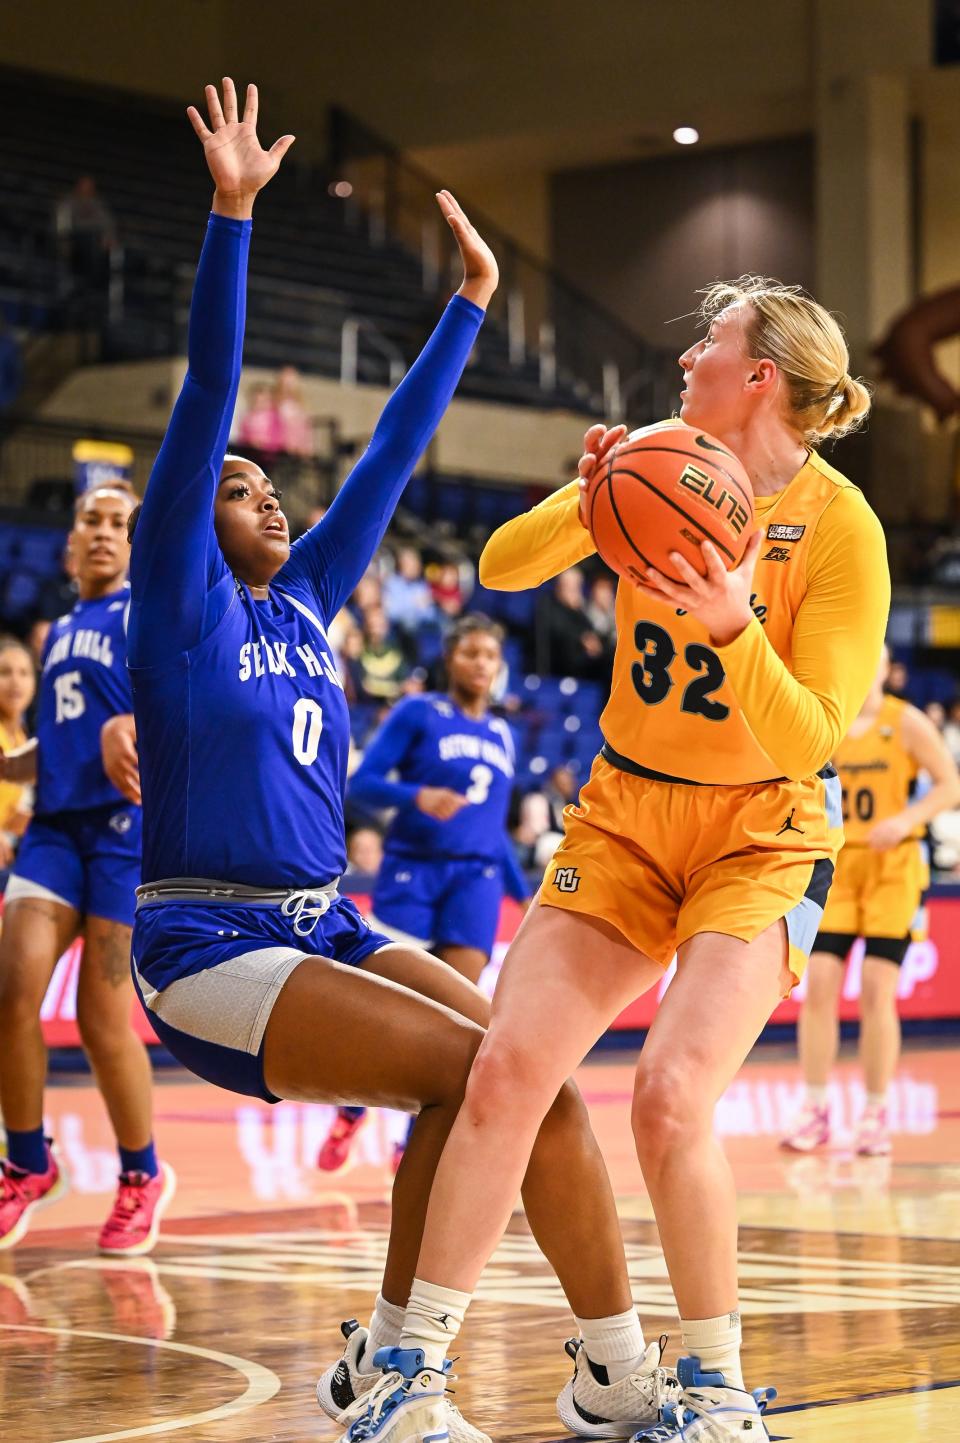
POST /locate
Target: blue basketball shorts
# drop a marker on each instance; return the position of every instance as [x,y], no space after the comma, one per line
[440,903]
[87,860]
[208,976]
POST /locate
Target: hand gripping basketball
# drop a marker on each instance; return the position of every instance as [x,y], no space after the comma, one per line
[721,599]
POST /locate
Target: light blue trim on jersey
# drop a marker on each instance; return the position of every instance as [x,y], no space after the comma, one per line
[304,611]
[834,801]
[803,924]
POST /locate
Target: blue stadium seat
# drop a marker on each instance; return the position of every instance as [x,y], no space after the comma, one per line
[517,609]
[20,594]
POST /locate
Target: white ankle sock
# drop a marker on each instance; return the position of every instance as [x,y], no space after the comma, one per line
[716,1342]
[875,1101]
[615,1343]
[433,1319]
[817,1096]
[386,1325]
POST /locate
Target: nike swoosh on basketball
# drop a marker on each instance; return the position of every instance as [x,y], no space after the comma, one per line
[706,445]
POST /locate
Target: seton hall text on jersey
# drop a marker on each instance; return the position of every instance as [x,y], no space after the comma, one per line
[82,642]
[260,658]
[475,749]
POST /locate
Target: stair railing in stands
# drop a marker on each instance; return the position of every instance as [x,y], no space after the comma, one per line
[350,333]
[571,340]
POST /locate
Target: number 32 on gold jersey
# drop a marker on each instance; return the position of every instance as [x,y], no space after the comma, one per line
[652,677]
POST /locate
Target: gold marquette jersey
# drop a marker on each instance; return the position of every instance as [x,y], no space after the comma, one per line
[876,773]
[778,699]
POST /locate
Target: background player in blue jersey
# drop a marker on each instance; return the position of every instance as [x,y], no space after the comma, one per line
[256,972]
[76,871]
[447,766]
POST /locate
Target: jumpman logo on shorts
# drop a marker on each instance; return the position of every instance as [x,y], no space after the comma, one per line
[788,824]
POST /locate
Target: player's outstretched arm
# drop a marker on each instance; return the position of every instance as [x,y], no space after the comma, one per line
[118,753]
[553,536]
[800,713]
[514,880]
[371,784]
[334,554]
[174,558]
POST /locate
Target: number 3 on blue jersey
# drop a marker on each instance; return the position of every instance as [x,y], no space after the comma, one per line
[307,726]
[479,788]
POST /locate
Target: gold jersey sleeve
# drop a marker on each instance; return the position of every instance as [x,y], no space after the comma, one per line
[800,712]
[540,544]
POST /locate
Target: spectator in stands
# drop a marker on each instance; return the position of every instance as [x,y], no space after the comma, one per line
[534,838]
[447,590]
[407,598]
[601,609]
[350,670]
[368,593]
[568,642]
[898,680]
[342,627]
[560,791]
[936,711]
[951,730]
[382,665]
[86,233]
[261,429]
[296,433]
[18,684]
[364,850]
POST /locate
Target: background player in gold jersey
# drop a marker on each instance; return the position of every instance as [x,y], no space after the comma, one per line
[709,826]
[876,894]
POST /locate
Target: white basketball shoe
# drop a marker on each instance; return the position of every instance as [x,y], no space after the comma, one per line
[710,1412]
[343,1385]
[592,1409]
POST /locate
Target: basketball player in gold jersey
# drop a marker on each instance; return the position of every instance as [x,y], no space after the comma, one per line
[709,827]
[876,894]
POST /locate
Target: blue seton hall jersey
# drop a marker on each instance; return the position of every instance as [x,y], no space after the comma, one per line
[429,742]
[254,795]
[83,682]
[241,720]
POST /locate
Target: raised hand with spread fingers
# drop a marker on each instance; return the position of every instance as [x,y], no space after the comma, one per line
[238,163]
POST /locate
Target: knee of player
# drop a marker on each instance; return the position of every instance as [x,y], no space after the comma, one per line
[824,983]
[502,1081]
[22,990]
[667,1109]
[103,1036]
[878,995]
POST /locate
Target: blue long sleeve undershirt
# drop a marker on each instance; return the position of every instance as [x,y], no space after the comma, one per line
[370,785]
[180,583]
[514,881]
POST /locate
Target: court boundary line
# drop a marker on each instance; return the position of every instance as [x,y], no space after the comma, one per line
[262,1383]
[864,1397]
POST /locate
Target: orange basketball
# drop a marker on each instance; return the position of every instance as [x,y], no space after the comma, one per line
[668,488]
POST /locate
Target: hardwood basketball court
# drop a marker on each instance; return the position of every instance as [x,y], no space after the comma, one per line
[850,1272]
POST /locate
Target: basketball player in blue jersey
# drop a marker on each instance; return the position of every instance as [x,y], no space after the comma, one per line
[76,873]
[447,767]
[256,972]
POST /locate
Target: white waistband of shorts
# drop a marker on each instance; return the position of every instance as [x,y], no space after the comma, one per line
[220,894]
